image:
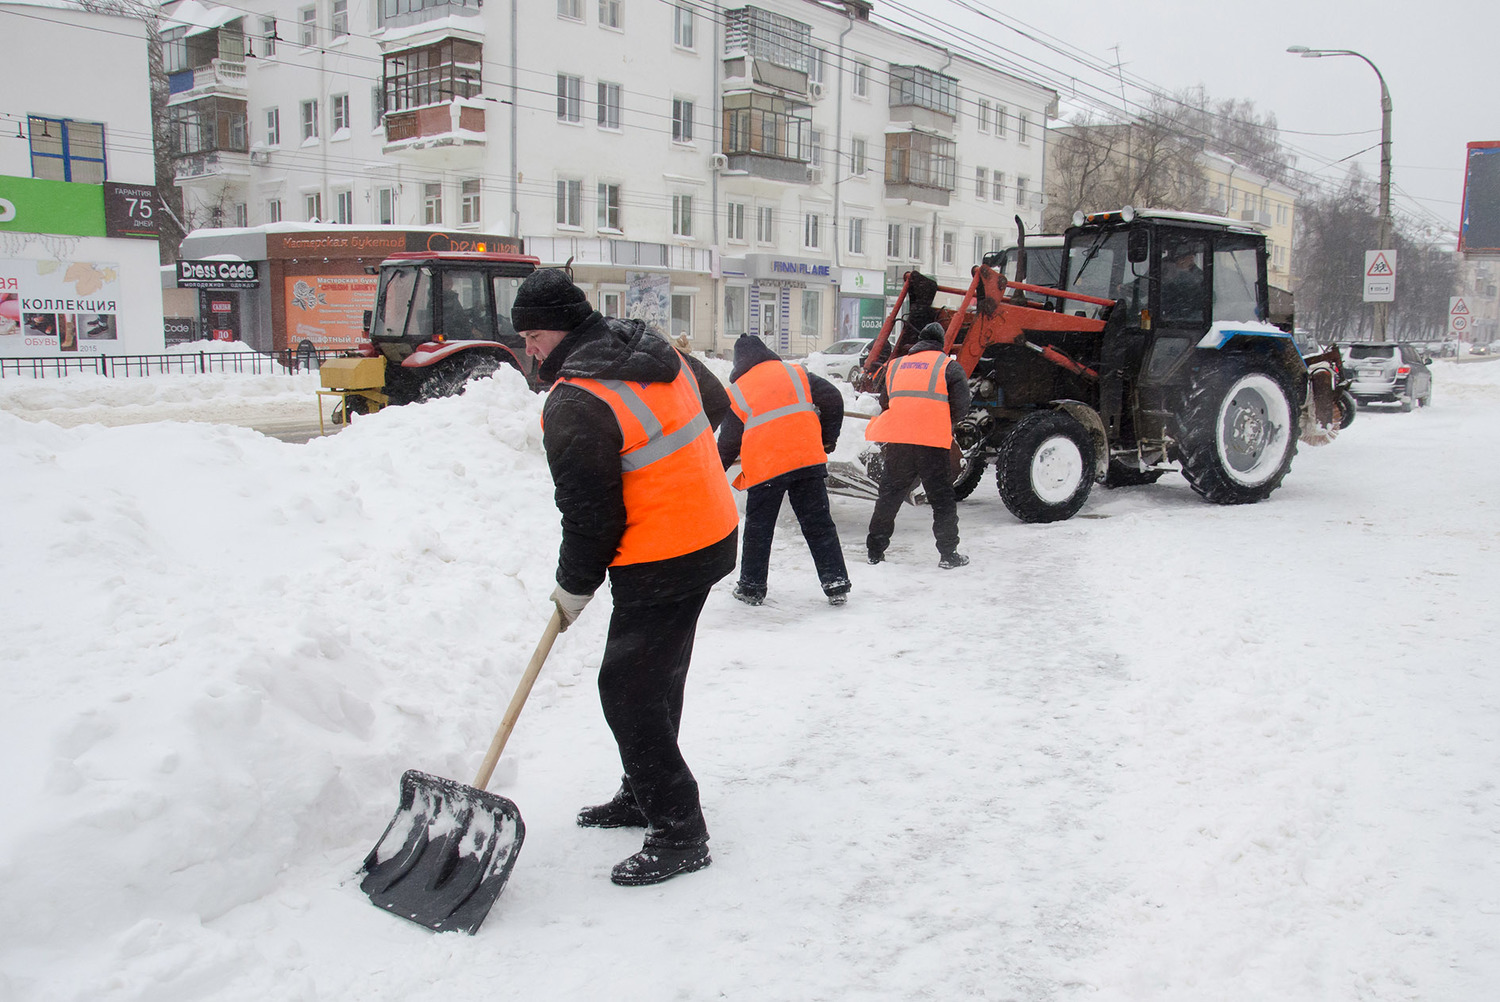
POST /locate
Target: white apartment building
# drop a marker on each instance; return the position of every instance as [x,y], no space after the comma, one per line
[78,253]
[771,168]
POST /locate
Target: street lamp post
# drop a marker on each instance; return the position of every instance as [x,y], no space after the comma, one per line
[1382,310]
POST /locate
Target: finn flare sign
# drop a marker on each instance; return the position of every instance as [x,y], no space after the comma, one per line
[1380,276]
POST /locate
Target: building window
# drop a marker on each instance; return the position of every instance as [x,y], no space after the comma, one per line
[682,215]
[682,315]
[273,126]
[570,9]
[432,204]
[377,106]
[65,150]
[340,104]
[914,244]
[433,75]
[569,98]
[309,120]
[857,159]
[609,13]
[982,116]
[612,304]
[309,18]
[734,310]
[765,224]
[682,27]
[468,202]
[920,87]
[569,202]
[1000,113]
[340,18]
[817,65]
[861,79]
[892,239]
[1022,183]
[815,141]
[735,223]
[682,120]
[950,246]
[268,37]
[609,207]
[343,207]
[385,206]
[978,247]
[812,230]
[1023,120]
[241,214]
[812,314]
[999,186]
[609,105]
[981,182]
[273,211]
[856,235]
[314,205]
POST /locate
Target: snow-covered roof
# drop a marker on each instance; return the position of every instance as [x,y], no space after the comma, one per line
[199,17]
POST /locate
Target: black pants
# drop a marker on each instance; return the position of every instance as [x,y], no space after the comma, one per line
[641,680]
[809,497]
[904,466]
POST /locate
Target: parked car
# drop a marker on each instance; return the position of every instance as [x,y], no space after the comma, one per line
[1387,372]
[839,360]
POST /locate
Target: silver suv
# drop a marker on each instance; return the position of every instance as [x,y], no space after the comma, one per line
[1391,372]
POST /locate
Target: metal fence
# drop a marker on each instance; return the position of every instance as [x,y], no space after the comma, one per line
[243,362]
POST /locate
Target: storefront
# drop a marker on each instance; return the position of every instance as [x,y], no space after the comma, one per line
[788,302]
[282,286]
[861,302]
[77,270]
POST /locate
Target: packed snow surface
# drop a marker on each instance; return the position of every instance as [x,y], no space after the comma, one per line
[1162,751]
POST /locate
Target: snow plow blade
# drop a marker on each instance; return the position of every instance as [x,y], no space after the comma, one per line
[445,856]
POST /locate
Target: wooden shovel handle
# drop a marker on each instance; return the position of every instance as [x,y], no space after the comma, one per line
[513,711]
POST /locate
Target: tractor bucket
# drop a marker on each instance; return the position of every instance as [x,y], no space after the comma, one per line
[445,856]
[851,480]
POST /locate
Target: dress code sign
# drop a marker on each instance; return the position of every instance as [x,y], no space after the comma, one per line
[217,275]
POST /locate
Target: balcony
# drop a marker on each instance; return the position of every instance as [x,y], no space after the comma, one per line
[919,167]
[767,50]
[221,77]
[924,99]
[222,164]
[768,137]
[448,134]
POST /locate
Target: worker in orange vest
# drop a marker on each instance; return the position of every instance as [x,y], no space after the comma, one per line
[628,428]
[782,424]
[923,394]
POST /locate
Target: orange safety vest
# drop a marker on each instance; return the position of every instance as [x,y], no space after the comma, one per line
[676,498]
[918,394]
[782,430]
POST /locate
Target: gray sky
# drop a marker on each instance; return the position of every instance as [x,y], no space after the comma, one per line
[1439,59]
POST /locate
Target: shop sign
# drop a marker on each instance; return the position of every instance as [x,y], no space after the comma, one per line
[345,243]
[799,268]
[132,210]
[66,306]
[217,275]
[862,282]
[328,310]
[35,205]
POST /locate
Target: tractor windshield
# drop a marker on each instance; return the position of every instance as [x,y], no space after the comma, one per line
[395,316]
[1098,266]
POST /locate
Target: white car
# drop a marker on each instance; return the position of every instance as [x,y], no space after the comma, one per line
[839,360]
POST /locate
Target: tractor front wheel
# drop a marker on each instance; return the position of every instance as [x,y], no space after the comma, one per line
[1046,467]
[451,378]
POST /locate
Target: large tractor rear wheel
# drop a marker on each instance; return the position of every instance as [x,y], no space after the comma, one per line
[452,377]
[1237,430]
[1046,467]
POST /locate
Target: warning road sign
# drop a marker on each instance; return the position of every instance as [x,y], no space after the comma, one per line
[1458,315]
[1380,276]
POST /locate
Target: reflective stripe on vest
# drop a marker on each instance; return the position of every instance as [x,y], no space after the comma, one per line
[676,498]
[782,430]
[918,393]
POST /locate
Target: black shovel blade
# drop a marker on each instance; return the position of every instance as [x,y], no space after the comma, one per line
[445,856]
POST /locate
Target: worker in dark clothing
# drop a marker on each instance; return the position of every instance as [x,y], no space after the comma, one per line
[628,430]
[1184,292]
[783,422]
[922,395]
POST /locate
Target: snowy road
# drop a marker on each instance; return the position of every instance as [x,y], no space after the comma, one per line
[1163,751]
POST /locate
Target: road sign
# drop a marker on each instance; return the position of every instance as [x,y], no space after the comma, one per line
[1458,316]
[1380,276]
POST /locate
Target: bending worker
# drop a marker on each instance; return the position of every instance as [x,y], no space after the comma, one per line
[628,431]
[783,423]
[923,395]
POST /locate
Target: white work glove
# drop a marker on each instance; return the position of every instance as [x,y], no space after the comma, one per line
[569,606]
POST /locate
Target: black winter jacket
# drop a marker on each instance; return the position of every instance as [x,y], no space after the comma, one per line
[583,443]
[959,397]
[751,351]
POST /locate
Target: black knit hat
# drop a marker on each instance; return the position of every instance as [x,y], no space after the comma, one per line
[934,332]
[549,301]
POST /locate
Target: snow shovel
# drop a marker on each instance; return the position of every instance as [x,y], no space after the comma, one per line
[447,853]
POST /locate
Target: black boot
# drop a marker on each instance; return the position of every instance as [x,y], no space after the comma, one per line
[621,812]
[653,864]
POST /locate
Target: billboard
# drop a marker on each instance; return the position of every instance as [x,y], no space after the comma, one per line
[1479,226]
[328,310]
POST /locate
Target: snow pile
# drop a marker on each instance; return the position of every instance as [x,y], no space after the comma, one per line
[1165,750]
[211,345]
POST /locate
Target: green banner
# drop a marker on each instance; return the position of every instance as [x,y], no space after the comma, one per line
[32,205]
